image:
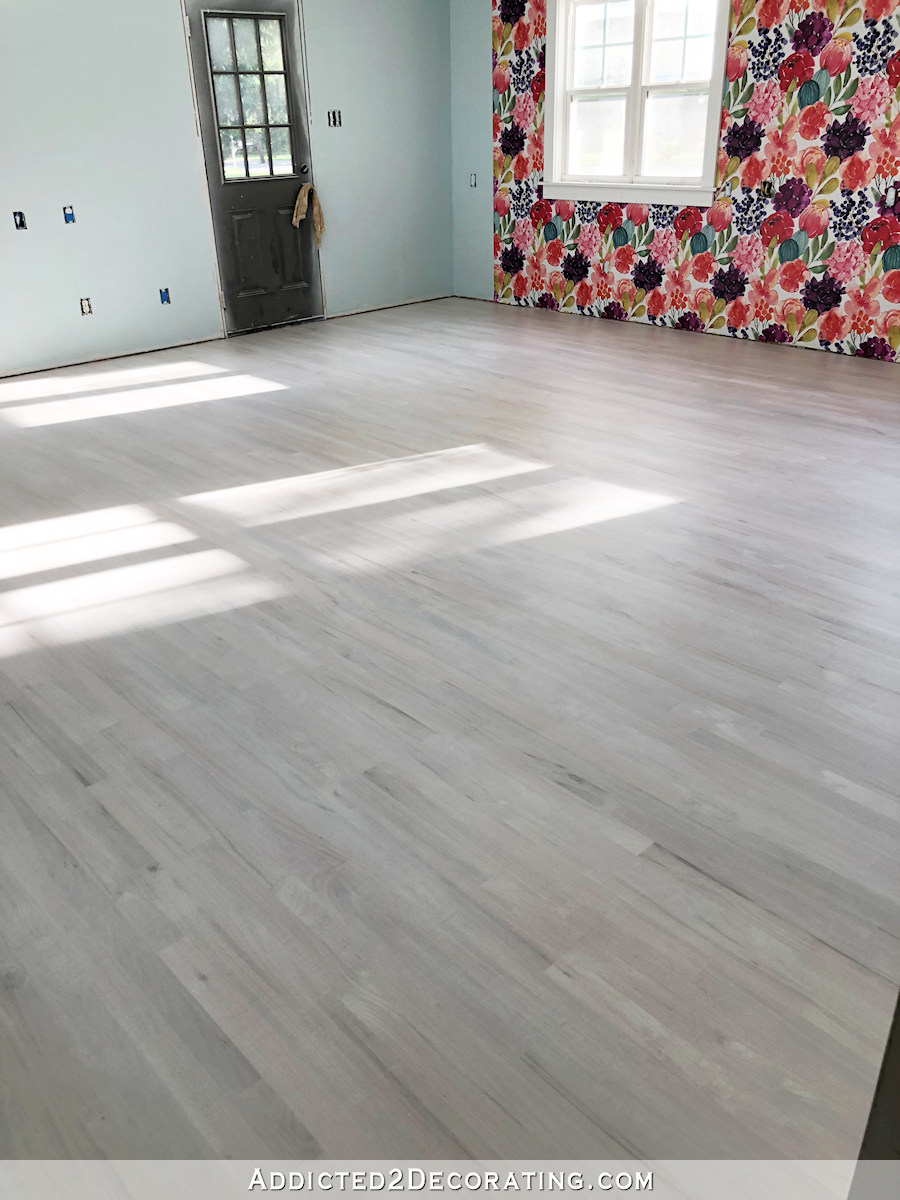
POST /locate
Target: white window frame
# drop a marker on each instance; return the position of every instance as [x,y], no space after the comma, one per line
[558,184]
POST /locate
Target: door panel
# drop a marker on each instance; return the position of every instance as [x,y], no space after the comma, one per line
[247,62]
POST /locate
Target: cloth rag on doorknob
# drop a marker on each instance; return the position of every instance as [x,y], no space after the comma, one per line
[301,210]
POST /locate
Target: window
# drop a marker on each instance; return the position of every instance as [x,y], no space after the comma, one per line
[633,99]
[246,59]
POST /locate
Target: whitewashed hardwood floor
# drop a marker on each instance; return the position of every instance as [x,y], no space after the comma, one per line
[535,795]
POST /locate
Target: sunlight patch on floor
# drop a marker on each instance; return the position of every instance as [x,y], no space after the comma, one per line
[62,385]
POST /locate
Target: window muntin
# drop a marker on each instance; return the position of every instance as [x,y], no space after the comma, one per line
[631,82]
[246,60]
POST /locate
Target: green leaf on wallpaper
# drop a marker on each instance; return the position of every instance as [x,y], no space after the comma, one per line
[891,259]
[732,245]
[831,166]
[719,306]
[639,296]
[832,9]
[718,323]
[739,113]
[788,250]
[809,93]
[808,335]
[827,251]
[822,78]
[640,312]
[851,90]
[819,268]
[699,243]
[748,26]
[832,184]
[853,17]
[620,237]
[551,233]
[628,226]
[801,237]
[709,233]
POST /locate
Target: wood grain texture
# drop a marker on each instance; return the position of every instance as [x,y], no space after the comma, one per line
[534,795]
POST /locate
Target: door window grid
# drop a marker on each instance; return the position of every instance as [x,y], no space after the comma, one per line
[246,59]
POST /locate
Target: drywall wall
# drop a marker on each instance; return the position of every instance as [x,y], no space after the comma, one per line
[803,247]
[471,147]
[384,175]
[96,112]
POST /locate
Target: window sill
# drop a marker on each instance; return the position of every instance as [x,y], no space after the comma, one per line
[630,193]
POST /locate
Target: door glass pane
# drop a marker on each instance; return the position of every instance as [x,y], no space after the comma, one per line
[597,136]
[232,153]
[276,96]
[281,152]
[270,40]
[674,136]
[251,98]
[604,37]
[245,44]
[257,152]
[226,100]
[219,43]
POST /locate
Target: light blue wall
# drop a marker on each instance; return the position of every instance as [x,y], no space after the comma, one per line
[96,111]
[471,137]
[384,176]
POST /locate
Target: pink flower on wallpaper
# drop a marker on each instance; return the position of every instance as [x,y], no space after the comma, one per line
[523,235]
[664,245]
[637,214]
[535,149]
[781,146]
[813,120]
[871,98]
[847,261]
[524,110]
[792,275]
[857,171]
[748,253]
[836,55]
[862,306]
[564,209]
[702,266]
[735,62]
[738,314]
[879,9]
[719,214]
[814,219]
[766,101]
[501,203]
[833,326]
[890,287]
[772,12]
[500,78]
[755,170]
[589,240]
[623,259]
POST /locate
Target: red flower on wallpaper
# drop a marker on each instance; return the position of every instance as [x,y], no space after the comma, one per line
[893,71]
[778,226]
[542,212]
[884,230]
[609,216]
[796,68]
[890,287]
[689,221]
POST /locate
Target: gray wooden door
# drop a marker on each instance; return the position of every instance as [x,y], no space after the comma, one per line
[248,73]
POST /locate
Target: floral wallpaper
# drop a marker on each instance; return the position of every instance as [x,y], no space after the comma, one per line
[801,245]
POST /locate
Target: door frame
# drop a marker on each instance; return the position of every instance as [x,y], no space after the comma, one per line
[201,152]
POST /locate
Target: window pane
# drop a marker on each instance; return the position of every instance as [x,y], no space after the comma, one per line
[277,100]
[226,100]
[270,40]
[257,152]
[665,62]
[674,136]
[597,136]
[701,17]
[245,44]
[232,153]
[604,35]
[251,98]
[281,152]
[698,57]
[668,18]
[219,44]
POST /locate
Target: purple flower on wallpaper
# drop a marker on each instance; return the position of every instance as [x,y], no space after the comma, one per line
[647,274]
[512,140]
[813,33]
[689,321]
[792,197]
[512,260]
[774,333]
[729,285]
[890,210]
[575,267]
[823,294]
[613,312]
[743,139]
[511,11]
[843,138]
[547,300]
[875,347]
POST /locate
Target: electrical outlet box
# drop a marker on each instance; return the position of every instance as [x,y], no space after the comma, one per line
[334,118]
[19,220]
[86,309]
[164,297]
[69,214]
[473,181]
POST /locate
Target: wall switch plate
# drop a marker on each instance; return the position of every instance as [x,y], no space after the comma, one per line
[334,118]
[86,309]
[19,220]
[473,181]
[69,214]
[164,297]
